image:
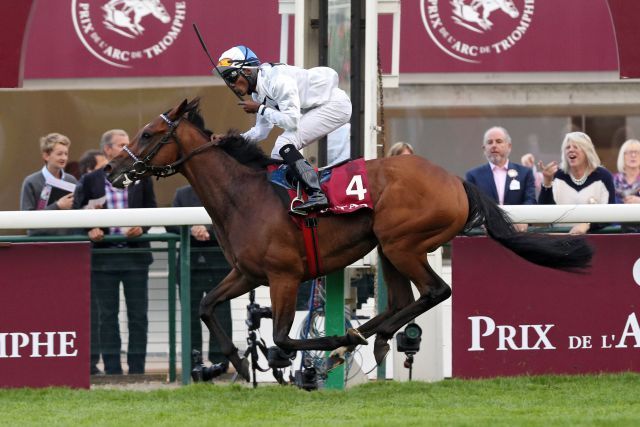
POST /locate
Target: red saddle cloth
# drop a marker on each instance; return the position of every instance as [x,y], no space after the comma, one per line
[345,185]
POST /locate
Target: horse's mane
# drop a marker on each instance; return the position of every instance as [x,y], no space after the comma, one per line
[232,143]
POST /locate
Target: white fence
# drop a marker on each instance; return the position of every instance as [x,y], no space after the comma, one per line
[187,216]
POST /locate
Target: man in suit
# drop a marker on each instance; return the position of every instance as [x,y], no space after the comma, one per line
[208,268]
[109,269]
[506,182]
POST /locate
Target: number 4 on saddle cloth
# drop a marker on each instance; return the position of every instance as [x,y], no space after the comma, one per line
[346,188]
[344,184]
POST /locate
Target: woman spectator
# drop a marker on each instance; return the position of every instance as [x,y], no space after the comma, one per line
[627,180]
[578,179]
[400,148]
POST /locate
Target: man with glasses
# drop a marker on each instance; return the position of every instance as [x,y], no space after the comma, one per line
[306,104]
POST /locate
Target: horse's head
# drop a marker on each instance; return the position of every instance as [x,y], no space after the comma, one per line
[508,7]
[158,10]
[156,149]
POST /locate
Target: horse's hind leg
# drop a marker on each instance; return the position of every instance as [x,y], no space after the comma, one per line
[283,306]
[433,290]
[232,286]
[399,295]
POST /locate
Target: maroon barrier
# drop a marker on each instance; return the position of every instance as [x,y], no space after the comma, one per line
[511,317]
[44,314]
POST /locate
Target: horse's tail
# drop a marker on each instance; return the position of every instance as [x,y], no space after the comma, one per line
[554,251]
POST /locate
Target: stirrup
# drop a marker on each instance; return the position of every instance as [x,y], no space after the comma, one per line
[297,201]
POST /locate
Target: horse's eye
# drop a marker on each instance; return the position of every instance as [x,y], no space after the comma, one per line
[146,135]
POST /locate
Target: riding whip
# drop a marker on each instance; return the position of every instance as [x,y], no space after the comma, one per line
[204,47]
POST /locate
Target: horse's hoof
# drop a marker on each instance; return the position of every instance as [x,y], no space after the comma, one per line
[380,351]
[355,337]
[333,361]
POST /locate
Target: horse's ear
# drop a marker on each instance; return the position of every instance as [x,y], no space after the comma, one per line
[182,108]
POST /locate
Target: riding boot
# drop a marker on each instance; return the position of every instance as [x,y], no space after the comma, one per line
[308,177]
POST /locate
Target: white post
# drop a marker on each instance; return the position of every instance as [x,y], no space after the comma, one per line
[371,82]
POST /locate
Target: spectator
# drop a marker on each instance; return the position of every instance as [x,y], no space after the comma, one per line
[73,169]
[108,270]
[529,161]
[579,179]
[627,180]
[306,104]
[50,187]
[506,182]
[208,268]
[91,160]
[400,148]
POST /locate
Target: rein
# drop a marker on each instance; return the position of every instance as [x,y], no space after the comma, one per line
[142,167]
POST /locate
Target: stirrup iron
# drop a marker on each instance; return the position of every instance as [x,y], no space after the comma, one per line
[298,200]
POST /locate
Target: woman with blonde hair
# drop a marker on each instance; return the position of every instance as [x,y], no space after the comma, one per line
[400,148]
[627,180]
[579,178]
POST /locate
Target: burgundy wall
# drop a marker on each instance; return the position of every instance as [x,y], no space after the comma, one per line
[45,288]
[492,287]
[13,22]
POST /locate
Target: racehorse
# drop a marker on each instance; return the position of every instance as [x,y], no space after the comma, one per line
[417,207]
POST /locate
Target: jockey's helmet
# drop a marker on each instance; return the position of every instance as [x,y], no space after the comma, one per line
[234,60]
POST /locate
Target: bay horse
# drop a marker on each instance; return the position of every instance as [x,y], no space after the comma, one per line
[417,207]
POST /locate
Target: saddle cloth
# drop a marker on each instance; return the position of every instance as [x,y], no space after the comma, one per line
[345,185]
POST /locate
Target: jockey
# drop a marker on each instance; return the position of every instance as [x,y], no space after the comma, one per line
[306,104]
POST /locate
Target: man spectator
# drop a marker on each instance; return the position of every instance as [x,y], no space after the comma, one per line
[50,188]
[208,268]
[109,269]
[506,182]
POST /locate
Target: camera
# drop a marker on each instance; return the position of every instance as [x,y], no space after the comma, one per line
[205,373]
[409,340]
[306,378]
[255,313]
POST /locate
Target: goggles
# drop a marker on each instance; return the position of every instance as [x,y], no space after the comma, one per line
[231,75]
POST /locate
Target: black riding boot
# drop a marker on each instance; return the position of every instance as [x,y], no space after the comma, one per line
[308,177]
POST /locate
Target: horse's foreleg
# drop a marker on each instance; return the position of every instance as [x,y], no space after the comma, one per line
[232,286]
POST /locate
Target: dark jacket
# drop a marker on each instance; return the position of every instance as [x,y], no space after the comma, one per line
[140,195]
[482,176]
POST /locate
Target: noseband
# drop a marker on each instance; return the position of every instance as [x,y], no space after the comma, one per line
[144,166]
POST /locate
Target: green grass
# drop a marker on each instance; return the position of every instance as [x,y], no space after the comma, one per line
[546,400]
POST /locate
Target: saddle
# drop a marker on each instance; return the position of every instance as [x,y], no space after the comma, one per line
[344,184]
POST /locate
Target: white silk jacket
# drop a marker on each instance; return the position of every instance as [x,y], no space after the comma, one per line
[287,92]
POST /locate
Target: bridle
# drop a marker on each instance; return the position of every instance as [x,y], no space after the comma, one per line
[144,167]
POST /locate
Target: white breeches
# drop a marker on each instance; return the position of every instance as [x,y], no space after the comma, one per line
[317,122]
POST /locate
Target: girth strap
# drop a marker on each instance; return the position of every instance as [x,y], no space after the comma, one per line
[310,234]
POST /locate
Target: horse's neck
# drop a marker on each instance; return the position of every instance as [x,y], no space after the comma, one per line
[221,183]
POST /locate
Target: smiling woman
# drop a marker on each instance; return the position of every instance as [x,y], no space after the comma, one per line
[579,178]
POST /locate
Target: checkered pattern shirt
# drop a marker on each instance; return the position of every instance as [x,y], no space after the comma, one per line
[116,199]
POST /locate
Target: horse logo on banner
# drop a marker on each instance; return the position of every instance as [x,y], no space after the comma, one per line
[123,15]
[122,33]
[472,30]
[468,14]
